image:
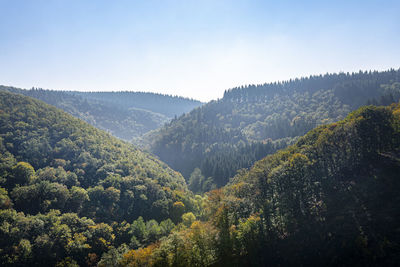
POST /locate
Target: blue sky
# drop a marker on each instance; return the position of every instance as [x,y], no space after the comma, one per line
[190,48]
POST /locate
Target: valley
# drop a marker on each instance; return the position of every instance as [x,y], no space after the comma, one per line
[263,169]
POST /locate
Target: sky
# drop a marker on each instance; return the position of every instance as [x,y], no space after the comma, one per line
[196,49]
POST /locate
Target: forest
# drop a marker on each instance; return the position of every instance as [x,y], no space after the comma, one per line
[69,190]
[328,200]
[184,133]
[211,143]
[296,173]
[126,115]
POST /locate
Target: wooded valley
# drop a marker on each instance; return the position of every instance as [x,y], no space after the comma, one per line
[250,122]
[296,173]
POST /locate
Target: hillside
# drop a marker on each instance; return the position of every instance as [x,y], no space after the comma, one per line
[69,189]
[72,195]
[336,189]
[329,200]
[250,122]
[167,105]
[126,115]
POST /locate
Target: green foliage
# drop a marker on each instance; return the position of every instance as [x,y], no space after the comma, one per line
[197,181]
[40,197]
[188,218]
[253,121]
[66,239]
[72,195]
[193,246]
[178,208]
[334,190]
[121,182]
[67,262]
[74,208]
[5,201]
[113,257]
[144,233]
[126,115]
[23,173]
[329,200]
[167,105]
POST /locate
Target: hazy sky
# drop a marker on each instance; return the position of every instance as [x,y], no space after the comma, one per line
[190,48]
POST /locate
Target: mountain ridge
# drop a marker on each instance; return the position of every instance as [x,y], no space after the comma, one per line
[221,136]
[124,121]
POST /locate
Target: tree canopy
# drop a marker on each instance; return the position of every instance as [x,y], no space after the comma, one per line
[126,115]
[252,121]
[70,192]
[329,200]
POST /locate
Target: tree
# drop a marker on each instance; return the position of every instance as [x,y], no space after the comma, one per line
[23,173]
[78,197]
[188,218]
[196,180]
[5,202]
[178,208]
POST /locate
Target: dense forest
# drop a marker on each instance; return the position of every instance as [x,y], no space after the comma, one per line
[329,200]
[74,195]
[212,142]
[70,192]
[169,106]
[290,159]
[126,115]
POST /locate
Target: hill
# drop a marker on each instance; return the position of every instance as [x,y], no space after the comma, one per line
[215,140]
[126,115]
[167,105]
[329,200]
[68,189]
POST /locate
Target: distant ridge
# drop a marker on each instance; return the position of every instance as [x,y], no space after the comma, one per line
[126,115]
[167,105]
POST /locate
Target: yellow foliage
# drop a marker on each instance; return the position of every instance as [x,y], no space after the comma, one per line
[103,241]
[179,205]
[188,219]
[236,188]
[139,258]
[298,159]
[178,195]
[78,242]
[167,189]
[396,110]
